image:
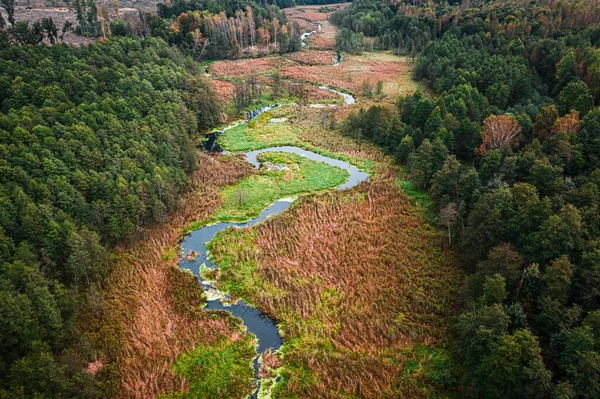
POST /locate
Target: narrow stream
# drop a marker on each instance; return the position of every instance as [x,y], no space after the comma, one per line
[338,61]
[263,327]
[307,34]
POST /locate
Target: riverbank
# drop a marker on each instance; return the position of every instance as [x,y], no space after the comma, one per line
[154,327]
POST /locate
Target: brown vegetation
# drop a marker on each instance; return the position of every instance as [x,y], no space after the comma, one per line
[356,280]
[499,131]
[245,67]
[324,39]
[393,71]
[151,310]
[313,57]
[311,130]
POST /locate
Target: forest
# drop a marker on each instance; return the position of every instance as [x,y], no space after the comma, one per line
[481,277]
[95,144]
[509,152]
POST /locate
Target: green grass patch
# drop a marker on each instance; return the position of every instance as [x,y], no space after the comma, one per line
[222,369]
[258,135]
[433,368]
[171,252]
[420,197]
[246,280]
[252,195]
[253,136]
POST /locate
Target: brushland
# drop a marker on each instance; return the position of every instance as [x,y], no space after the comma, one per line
[152,312]
[361,287]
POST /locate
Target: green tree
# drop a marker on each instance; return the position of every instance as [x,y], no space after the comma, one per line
[514,368]
[557,279]
[589,137]
[405,148]
[494,290]
[560,234]
[576,95]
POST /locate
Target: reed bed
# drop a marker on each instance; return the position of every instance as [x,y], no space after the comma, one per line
[313,57]
[151,310]
[395,72]
[357,281]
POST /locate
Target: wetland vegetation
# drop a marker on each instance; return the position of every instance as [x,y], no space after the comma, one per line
[403,202]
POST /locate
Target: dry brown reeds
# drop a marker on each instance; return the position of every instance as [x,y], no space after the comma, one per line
[357,279]
[395,73]
[151,310]
[313,57]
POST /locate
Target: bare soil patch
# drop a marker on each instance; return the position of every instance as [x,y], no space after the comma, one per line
[58,14]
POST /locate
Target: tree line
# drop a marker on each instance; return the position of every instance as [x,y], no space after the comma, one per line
[95,144]
[212,36]
[510,155]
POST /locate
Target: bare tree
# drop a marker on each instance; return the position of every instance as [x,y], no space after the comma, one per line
[115,4]
[447,217]
[275,85]
[276,25]
[499,131]
[251,25]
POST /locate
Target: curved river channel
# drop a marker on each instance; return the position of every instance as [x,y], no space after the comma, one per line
[264,328]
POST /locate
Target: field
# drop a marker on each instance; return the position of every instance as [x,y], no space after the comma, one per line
[313,57]
[361,288]
[395,73]
[317,67]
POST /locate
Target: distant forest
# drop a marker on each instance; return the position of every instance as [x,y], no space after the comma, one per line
[203,29]
[509,151]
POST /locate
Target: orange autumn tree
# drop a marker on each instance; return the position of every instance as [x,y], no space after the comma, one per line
[570,124]
[499,131]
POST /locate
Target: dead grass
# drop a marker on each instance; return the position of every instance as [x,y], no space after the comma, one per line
[311,13]
[151,310]
[357,281]
[309,126]
[395,73]
[324,39]
[313,57]
[225,91]
[237,68]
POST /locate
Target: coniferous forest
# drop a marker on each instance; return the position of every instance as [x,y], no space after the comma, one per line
[95,146]
[494,157]
[509,153]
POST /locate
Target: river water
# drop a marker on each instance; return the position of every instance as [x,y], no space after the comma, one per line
[264,328]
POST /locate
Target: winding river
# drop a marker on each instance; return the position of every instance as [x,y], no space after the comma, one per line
[264,328]
[307,34]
